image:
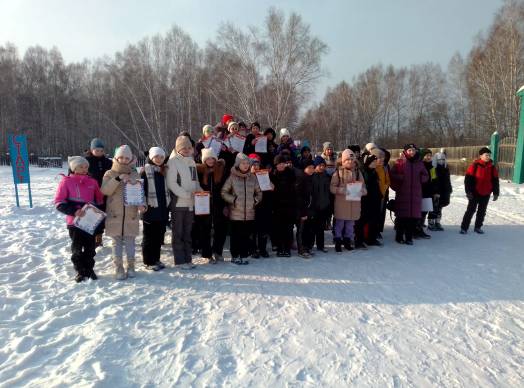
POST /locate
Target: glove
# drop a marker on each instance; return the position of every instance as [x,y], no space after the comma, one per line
[495,197]
[469,195]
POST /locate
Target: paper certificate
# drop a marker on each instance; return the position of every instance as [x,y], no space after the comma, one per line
[237,142]
[134,194]
[354,191]
[263,180]
[261,145]
[214,144]
[90,220]
[202,203]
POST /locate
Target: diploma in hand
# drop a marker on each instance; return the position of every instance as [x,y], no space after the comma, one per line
[263,180]
[237,142]
[261,145]
[90,220]
[134,194]
[202,203]
[354,191]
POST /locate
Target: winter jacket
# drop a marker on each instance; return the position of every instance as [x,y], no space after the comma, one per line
[121,220]
[407,176]
[321,191]
[182,180]
[430,188]
[212,180]
[383,179]
[346,210]
[444,185]
[371,202]
[284,195]
[305,204]
[482,178]
[242,192]
[73,192]
[160,213]
[98,166]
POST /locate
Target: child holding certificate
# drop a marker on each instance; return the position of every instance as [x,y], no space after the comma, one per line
[347,207]
[242,192]
[263,213]
[74,191]
[123,204]
[155,218]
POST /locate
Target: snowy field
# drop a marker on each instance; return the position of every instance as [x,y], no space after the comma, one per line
[448,312]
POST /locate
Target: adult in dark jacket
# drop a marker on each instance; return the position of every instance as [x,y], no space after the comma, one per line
[157,213]
[482,179]
[322,201]
[211,176]
[371,203]
[429,190]
[407,176]
[284,204]
[305,211]
[442,197]
[249,146]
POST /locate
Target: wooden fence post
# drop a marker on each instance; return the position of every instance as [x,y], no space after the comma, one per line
[518,172]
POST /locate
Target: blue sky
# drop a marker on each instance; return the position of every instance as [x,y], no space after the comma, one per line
[358,33]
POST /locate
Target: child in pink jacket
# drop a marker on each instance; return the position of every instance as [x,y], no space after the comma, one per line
[73,192]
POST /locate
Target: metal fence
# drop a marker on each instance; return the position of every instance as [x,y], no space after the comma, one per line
[50,161]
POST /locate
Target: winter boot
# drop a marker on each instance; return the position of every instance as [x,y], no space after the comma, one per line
[338,245]
[120,273]
[432,225]
[438,225]
[347,244]
[478,230]
[130,269]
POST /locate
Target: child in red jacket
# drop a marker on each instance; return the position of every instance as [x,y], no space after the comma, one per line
[482,179]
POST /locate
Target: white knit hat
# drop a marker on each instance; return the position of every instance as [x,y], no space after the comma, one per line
[76,161]
[370,146]
[156,151]
[231,125]
[207,130]
[284,132]
[208,153]
[124,151]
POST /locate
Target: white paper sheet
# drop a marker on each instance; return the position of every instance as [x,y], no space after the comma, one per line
[134,193]
[263,180]
[261,145]
[354,191]
[90,220]
[237,142]
[427,204]
[202,203]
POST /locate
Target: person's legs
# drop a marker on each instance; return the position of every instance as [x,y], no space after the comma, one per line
[471,209]
[481,211]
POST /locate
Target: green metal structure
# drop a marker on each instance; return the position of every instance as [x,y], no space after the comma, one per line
[518,172]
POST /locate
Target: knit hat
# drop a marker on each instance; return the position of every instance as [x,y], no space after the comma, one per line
[208,153]
[305,148]
[124,151]
[327,145]
[439,157]
[156,151]
[284,132]
[226,118]
[240,157]
[409,145]
[254,158]
[354,147]
[484,150]
[368,159]
[370,146]
[207,130]
[281,159]
[347,154]
[96,143]
[378,153]
[232,125]
[307,163]
[318,161]
[76,161]
[182,142]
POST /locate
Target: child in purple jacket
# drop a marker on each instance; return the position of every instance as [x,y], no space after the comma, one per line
[73,192]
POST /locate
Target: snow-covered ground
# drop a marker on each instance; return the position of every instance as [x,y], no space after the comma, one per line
[446,312]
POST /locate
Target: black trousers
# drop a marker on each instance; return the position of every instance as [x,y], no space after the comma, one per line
[319,226]
[283,227]
[153,236]
[405,227]
[82,250]
[181,227]
[240,243]
[478,204]
[305,234]
[211,228]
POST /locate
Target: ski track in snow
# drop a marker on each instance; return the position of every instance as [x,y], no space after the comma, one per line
[446,312]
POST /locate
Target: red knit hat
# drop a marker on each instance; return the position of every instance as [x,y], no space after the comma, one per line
[226,118]
[255,158]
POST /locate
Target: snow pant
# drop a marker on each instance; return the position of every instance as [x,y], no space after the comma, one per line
[121,243]
[319,225]
[437,210]
[405,227]
[283,227]
[182,224]
[82,250]
[305,235]
[153,236]
[478,204]
[359,230]
[210,228]
[344,229]
[241,244]
[262,232]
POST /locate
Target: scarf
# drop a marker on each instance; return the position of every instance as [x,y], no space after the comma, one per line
[152,200]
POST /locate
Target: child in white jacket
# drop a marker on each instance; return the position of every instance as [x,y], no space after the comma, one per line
[182,181]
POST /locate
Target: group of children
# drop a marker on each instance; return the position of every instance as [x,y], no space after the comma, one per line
[307,196]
